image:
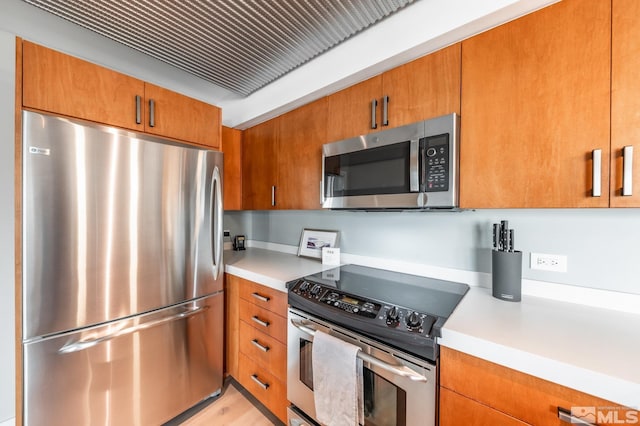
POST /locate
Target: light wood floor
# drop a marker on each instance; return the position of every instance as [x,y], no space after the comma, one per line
[231,408]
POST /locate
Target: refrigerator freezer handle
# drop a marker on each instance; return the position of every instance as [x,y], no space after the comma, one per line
[89,343]
[216,222]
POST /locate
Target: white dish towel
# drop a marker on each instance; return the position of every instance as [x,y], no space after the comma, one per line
[337,381]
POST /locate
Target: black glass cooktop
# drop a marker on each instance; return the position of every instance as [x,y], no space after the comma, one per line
[422,294]
[401,310]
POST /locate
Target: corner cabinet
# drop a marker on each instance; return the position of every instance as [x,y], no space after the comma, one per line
[61,84]
[256,343]
[232,149]
[535,107]
[625,104]
[477,392]
[424,88]
[281,161]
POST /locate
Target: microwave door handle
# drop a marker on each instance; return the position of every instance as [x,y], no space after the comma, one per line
[399,370]
[414,166]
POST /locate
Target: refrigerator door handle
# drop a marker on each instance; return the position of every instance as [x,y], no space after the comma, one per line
[216,219]
[89,343]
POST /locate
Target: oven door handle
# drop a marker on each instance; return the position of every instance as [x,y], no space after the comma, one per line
[399,370]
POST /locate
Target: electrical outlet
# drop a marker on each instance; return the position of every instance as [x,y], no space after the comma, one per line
[549,262]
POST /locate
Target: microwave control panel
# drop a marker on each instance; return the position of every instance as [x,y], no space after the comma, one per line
[435,163]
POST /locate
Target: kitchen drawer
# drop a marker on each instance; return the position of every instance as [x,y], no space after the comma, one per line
[270,391]
[270,354]
[456,409]
[528,398]
[265,297]
[264,320]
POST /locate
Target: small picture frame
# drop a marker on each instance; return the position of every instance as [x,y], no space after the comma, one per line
[312,241]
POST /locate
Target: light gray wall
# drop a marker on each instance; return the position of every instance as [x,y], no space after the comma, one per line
[602,245]
[7,258]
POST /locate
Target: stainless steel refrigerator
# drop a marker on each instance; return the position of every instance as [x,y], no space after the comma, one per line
[122,275]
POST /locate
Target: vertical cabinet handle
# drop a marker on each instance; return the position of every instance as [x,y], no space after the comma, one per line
[138,110]
[565,415]
[597,168]
[152,113]
[322,192]
[627,170]
[374,107]
[385,111]
[273,195]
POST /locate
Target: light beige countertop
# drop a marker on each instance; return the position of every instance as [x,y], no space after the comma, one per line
[593,350]
[590,349]
[270,268]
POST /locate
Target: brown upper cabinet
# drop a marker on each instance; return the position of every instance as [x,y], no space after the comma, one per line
[625,105]
[281,166]
[302,133]
[259,165]
[232,149]
[424,88]
[176,116]
[536,110]
[62,84]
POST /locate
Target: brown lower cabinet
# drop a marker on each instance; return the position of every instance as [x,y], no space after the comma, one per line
[256,341]
[456,409]
[478,392]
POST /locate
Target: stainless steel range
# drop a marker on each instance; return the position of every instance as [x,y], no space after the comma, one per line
[394,318]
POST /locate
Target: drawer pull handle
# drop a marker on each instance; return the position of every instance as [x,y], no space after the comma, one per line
[261,297]
[264,386]
[259,346]
[566,416]
[259,321]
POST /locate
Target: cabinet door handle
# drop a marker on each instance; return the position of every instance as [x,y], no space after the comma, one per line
[138,110]
[259,346]
[152,113]
[566,416]
[385,111]
[261,297]
[259,321]
[596,155]
[273,195]
[627,170]
[264,386]
[374,107]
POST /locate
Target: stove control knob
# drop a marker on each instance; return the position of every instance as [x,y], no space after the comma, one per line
[304,286]
[393,317]
[315,290]
[414,321]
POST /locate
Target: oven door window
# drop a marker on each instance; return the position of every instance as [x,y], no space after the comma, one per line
[385,404]
[381,170]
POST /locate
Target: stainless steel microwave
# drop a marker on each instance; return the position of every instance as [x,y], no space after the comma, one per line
[408,167]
